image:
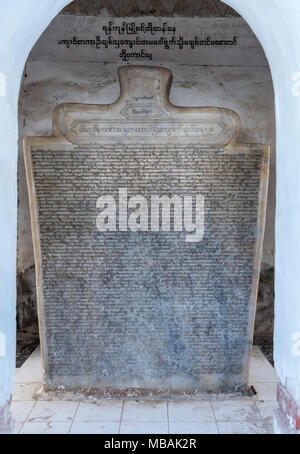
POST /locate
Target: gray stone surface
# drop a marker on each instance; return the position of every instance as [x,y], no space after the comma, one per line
[147,310]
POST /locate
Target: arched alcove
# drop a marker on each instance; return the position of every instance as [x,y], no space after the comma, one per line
[278,31]
[239,80]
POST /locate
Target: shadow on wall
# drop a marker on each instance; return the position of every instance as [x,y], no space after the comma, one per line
[264,322]
[27,318]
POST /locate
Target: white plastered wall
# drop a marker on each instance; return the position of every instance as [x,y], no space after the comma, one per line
[276,23]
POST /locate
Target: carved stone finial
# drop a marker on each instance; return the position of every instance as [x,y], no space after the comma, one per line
[143,111]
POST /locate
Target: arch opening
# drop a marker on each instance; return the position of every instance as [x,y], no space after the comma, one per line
[65,2]
[58,70]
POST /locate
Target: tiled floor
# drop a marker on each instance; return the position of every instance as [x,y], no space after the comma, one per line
[246,415]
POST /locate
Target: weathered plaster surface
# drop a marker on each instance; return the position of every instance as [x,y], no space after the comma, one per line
[203,8]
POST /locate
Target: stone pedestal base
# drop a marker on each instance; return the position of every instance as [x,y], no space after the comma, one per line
[286,419]
[6,419]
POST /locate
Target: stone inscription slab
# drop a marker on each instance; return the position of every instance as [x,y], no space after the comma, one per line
[147,310]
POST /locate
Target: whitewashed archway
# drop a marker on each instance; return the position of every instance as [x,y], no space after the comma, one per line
[276,24]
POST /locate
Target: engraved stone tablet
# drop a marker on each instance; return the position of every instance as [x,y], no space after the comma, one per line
[148,222]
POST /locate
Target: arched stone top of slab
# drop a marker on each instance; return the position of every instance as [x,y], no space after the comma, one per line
[143,113]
